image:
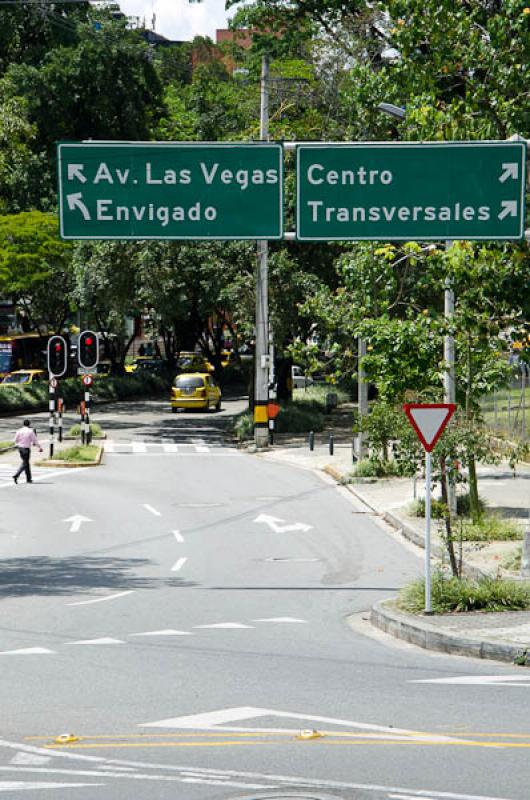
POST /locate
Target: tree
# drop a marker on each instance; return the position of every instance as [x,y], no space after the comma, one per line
[35,269]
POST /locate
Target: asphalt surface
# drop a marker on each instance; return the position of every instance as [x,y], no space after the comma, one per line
[181,612]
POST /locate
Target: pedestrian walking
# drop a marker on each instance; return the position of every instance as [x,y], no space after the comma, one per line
[25,437]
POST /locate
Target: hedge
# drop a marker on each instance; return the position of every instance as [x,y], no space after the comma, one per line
[16,398]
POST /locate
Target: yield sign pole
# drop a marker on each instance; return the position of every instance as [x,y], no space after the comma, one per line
[429,421]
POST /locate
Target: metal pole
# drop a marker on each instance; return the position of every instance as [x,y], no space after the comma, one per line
[523,401]
[60,421]
[362,396]
[261,387]
[428,601]
[51,419]
[88,434]
[449,374]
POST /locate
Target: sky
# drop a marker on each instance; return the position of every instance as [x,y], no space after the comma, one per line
[179,19]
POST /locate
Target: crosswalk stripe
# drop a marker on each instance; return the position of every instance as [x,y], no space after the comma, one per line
[193,447]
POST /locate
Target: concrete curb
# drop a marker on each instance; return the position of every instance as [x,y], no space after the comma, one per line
[72,464]
[416,631]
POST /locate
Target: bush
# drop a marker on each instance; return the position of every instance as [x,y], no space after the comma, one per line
[95,429]
[459,594]
[78,453]
[35,396]
[438,508]
[301,416]
[244,426]
[374,468]
[490,528]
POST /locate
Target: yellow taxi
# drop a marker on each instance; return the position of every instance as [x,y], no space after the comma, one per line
[195,390]
[25,376]
[193,362]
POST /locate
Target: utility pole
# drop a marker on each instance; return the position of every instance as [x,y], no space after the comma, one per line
[261,384]
[362,396]
[449,374]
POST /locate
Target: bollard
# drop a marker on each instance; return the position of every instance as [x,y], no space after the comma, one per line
[331,444]
[311,440]
[353,453]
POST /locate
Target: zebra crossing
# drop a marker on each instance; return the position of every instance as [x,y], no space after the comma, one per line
[189,447]
[38,474]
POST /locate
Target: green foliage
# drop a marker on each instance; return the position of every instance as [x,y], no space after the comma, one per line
[19,398]
[86,453]
[301,416]
[244,426]
[460,594]
[374,468]
[490,527]
[95,429]
[439,509]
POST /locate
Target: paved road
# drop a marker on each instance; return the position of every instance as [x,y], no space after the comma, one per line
[183,612]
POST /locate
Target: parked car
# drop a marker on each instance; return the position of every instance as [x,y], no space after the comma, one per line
[149,363]
[300,380]
[193,362]
[195,390]
[25,376]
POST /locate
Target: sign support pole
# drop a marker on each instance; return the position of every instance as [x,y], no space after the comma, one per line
[428,601]
[449,374]
[261,387]
[51,419]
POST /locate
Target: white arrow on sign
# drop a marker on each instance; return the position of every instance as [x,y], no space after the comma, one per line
[509,209]
[77,520]
[74,201]
[76,171]
[275,524]
[510,171]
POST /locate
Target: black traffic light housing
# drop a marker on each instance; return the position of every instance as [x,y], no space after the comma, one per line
[57,356]
[88,350]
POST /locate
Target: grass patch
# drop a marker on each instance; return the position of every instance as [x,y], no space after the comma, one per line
[95,429]
[459,595]
[244,426]
[318,393]
[79,453]
[438,508]
[489,528]
[512,563]
[374,468]
[5,445]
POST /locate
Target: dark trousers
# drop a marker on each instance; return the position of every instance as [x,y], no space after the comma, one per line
[25,453]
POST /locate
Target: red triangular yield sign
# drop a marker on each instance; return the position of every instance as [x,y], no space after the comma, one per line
[429,420]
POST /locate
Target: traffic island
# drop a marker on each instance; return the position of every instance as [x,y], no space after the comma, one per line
[78,456]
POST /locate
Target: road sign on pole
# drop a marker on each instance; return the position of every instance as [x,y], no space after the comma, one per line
[429,420]
[411,191]
[159,190]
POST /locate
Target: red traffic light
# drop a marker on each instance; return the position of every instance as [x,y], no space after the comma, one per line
[89,341]
[58,347]
[88,350]
[57,356]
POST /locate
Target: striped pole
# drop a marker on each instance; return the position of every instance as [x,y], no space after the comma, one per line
[60,419]
[51,419]
[88,433]
[82,423]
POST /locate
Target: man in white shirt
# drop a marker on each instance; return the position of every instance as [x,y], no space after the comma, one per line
[25,437]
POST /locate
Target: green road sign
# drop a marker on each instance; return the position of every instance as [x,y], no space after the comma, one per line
[170,191]
[442,190]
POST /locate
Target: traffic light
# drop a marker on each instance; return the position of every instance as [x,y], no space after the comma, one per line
[57,356]
[88,350]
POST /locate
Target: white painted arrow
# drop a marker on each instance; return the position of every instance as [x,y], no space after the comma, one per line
[74,201]
[77,520]
[509,209]
[511,170]
[76,171]
[275,524]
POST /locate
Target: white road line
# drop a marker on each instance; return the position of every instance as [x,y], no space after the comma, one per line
[178,536]
[170,447]
[408,797]
[151,510]
[280,619]
[178,564]
[200,446]
[104,640]
[139,447]
[28,651]
[225,625]
[27,759]
[101,599]
[167,632]
[13,786]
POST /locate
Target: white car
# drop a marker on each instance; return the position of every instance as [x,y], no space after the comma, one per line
[300,381]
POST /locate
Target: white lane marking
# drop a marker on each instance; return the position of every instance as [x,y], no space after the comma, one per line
[101,599]
[274,524]
[26,759]
[210,782]
[200,446]
[161,454]
[225,625]
[139,447]
[280,619]
[170,447]
[167,632]
[103,640]
[178,536]
[77,520]
[151,510]
[107,763]
[480,680]
[198,505]
[292,560]
[211,719]
[27,651]
[409,797]
[178,564]
[14,786]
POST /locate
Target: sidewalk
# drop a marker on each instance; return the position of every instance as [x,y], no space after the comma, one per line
[503,636]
